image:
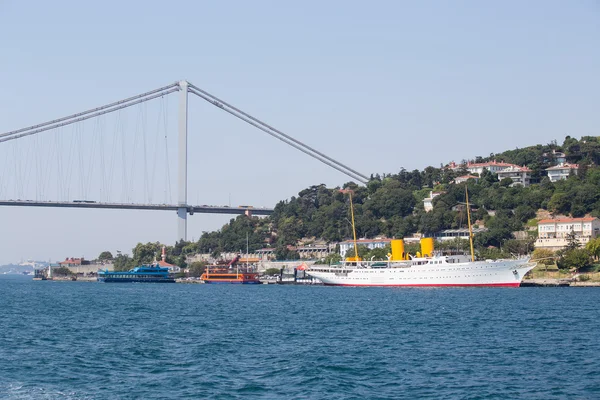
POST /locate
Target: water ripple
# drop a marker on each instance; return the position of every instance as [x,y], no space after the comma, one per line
[80,340]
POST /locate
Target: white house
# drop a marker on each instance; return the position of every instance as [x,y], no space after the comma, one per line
[519,175]
[463,233]
[477,168]
[428,201]
[465,178]
[348,245]
[552,233]
[561,171]
[556,157]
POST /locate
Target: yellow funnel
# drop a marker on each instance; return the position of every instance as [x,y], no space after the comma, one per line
[397,250]
[427,247]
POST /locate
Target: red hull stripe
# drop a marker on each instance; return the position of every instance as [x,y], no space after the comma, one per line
[516,284]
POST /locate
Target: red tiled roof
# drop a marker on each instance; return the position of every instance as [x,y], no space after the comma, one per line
[69,261]
[563,220]
[491,163]
[515,168]
[563,166]
[165,264]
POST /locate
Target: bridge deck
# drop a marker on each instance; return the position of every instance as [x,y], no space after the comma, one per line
[125,206]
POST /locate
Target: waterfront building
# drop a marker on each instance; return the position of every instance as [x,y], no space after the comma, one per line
[173,269]
[313,251]
[73,262]
[306,252]
[268,253]
[376,243]
[552,233]
[519,175]
[561,171]
[449,234]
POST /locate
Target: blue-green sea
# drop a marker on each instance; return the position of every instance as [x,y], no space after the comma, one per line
[88,340]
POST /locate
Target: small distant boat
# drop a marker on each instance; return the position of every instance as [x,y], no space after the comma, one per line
[230,273]
[143,273]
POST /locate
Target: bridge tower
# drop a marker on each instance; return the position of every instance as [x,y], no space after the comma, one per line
[182,179]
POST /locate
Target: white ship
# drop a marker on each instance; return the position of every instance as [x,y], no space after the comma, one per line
[426,269]
[438,270]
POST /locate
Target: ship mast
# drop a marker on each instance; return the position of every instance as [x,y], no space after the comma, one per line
[349,191]
[469,221]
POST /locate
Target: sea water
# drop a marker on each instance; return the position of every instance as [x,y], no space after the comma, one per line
[84,340]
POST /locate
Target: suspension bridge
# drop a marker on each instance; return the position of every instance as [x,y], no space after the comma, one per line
[66,157]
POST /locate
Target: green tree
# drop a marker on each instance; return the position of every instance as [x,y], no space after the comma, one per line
[105,255]
[559,203]
[332,258]
[283,253]
[272,271]
[146,253]
[122,262]
[543,256]
[574,258]
[61,271]
[518,247]
[593,246]
[197,268]
[572,241]
[378,254]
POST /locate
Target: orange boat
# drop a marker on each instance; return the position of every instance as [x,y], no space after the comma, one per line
[221,274]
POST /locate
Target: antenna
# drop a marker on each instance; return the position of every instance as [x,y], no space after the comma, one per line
[246,251]
[469,221]
[349,191]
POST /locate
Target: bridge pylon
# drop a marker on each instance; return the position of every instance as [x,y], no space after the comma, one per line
[182,170]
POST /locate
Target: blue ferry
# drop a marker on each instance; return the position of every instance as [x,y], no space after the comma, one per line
[143,273]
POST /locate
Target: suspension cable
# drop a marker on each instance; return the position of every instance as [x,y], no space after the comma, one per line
[278,134]
[6,136]
[116,103]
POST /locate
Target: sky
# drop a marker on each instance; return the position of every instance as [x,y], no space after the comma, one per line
[379,86]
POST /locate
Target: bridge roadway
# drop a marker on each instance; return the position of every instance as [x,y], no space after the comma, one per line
[124,206]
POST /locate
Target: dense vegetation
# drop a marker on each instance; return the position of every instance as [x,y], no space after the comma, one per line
[391,205]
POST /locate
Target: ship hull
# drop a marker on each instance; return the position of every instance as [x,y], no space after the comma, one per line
[137,280]
[475,274]
[432,285]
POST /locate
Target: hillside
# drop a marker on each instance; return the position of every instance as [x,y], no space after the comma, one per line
[391,205]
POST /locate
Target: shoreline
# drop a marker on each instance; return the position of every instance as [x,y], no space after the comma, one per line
[547,282]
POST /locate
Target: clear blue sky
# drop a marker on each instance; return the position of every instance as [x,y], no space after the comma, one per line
[379,85]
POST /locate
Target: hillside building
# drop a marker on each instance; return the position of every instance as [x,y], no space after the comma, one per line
[519,175]
[477,168]
[428,201]
[555,157]
[465,178]
[463,233]
[552,233]
[348,245]
[561,171]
